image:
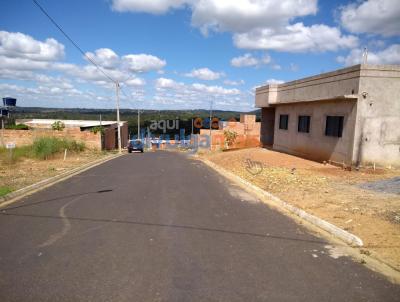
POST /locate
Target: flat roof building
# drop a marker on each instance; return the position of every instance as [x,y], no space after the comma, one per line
[349,116]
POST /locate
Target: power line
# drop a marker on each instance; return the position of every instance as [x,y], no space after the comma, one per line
[80,49]
[94,63]
[73,42]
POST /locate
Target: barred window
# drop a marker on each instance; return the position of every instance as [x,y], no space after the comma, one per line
[304,124]
[334,126]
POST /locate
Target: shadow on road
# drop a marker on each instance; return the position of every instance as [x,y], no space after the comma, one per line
[173,226]
[54,199]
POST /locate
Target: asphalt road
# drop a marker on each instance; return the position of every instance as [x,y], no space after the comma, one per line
[163,227]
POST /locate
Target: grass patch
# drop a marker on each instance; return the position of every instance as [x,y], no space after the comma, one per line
[17,127]
[42,148]
[5,190]
[16,154]
[46,147]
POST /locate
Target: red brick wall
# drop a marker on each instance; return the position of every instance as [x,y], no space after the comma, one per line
[248,135]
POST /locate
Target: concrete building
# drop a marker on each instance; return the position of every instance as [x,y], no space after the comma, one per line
[349,116]
[81,130]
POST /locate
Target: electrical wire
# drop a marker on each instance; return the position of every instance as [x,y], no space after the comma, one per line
[73,42]
[80,49]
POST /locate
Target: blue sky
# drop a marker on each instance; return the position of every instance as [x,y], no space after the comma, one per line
[183,54]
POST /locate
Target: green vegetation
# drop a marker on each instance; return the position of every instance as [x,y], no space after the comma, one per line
[17,127]
[16,154]
[58,126]
[97,129]
[42,148]
[46,147]
[5,190]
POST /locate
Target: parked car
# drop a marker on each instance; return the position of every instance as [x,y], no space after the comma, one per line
[135,145]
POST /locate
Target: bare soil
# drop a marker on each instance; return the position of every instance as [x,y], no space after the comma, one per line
[28,171]
[336,195]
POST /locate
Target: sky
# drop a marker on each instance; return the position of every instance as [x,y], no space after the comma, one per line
[183,54]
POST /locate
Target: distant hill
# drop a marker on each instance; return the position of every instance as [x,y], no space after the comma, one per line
[130,115]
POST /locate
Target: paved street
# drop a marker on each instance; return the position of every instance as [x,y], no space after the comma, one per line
[163,227]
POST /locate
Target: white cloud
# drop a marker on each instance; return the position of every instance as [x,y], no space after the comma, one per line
[18,45]
[226,15]
[218,90]
[276,67]
[164,83]
[22,64]
[135,82]
[205,74]
[245,15]
[248,60]
[234,83]
[118,69]
[21,52]
[255,24]
[274,81]
[372,16]
[104,57]
[390,55]
[142,62]
[89,72]
[48,94]
[296,38]
[172,94]
[147,6]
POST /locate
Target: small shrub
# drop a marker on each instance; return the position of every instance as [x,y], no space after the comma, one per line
[58,126]
[74,146]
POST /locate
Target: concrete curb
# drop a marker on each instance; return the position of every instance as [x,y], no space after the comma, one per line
[326,226]
[14,196]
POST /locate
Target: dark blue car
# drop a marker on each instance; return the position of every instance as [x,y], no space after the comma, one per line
[135,145]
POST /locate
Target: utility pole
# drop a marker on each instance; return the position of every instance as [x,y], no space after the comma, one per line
[211,104]
[118,121]
[138,123]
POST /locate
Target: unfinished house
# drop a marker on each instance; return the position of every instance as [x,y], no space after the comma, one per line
[349,116]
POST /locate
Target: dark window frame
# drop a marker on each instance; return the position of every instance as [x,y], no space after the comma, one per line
[284,121]
[304,123]
[334,125]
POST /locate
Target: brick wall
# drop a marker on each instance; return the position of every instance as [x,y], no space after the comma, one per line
[247,130]
[26,137]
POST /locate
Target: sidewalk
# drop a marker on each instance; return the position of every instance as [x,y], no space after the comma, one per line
[348,199]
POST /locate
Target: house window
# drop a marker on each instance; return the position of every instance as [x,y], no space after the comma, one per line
[304,123]
[334,126]
[283,121]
